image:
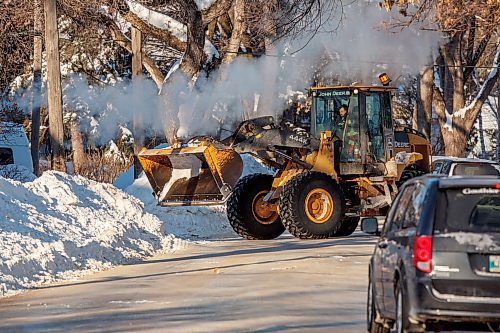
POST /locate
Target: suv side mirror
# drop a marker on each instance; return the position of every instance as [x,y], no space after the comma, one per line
[369,225]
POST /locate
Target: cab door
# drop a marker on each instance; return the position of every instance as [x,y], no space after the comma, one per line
[375,127]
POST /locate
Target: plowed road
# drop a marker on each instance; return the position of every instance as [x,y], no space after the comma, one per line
[231,285]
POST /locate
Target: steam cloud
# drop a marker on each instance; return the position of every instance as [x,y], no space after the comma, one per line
[357,52]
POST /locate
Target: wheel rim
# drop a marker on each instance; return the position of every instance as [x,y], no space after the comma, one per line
[399,313]
[319,205]
[263,212]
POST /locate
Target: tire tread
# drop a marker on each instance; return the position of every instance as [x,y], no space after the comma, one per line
[288,201]
[235,214]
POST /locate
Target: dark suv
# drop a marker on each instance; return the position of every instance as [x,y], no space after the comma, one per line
[437,262]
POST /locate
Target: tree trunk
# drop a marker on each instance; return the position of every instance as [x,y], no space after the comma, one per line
[194,57]
[425,88]
[455,143]
[455,139]
[54,86]
[498,133]
[136,78]
[498,123]
[37,86]
[77,145]
[224,25]
[237,33]
[437,134]
[481,135]
[211,30]
[414,113]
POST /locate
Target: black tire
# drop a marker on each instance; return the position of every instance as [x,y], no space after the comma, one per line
[347,226]
[402,323]
[408,174]
[240,210]
[372,313]
[292,205]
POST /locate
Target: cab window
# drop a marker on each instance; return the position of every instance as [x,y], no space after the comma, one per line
[330,108]
[351,151]
[386,108]
[375,128]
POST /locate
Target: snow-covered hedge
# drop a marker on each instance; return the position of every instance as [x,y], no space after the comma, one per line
[16,172]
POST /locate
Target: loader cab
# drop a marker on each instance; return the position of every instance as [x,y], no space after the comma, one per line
[365,132]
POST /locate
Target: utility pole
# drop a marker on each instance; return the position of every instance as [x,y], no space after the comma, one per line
[37,85]
[56,129]
[136,79]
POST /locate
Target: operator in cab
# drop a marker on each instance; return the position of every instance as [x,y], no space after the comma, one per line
[339,123]
[340,119]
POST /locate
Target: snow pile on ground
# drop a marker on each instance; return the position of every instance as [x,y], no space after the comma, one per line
[252,165]
[17,172]
[61,226]
[192,222]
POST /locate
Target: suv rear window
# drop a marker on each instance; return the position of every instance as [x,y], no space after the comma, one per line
[475,169]
[468,209]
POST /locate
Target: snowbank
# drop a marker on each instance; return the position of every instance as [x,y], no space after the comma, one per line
[61,226]
[17,172]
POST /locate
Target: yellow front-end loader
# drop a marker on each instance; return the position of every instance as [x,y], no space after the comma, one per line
[347,164]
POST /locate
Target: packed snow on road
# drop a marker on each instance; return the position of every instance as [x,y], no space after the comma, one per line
[60,227]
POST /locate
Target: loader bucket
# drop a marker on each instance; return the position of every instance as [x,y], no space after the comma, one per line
[203,175]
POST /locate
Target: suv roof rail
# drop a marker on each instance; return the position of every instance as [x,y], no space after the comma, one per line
[469,181]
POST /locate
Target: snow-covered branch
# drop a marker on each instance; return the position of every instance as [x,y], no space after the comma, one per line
[163,27]
[485,90]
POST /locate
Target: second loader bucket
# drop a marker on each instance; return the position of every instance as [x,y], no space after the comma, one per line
[203,175]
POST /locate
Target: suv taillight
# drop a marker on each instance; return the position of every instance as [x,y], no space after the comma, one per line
[497,186]
[422,253]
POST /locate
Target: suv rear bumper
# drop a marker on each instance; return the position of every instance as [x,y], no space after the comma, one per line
[431,305]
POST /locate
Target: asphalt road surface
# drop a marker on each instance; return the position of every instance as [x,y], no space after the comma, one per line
[231,285]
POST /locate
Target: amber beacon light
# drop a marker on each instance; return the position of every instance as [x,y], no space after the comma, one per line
[384,79]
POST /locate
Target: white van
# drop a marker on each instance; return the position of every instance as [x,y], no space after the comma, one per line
[14,146]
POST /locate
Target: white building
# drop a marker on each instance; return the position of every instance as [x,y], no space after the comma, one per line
[14,146]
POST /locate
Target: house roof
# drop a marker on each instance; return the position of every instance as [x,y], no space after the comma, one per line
[12,135]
